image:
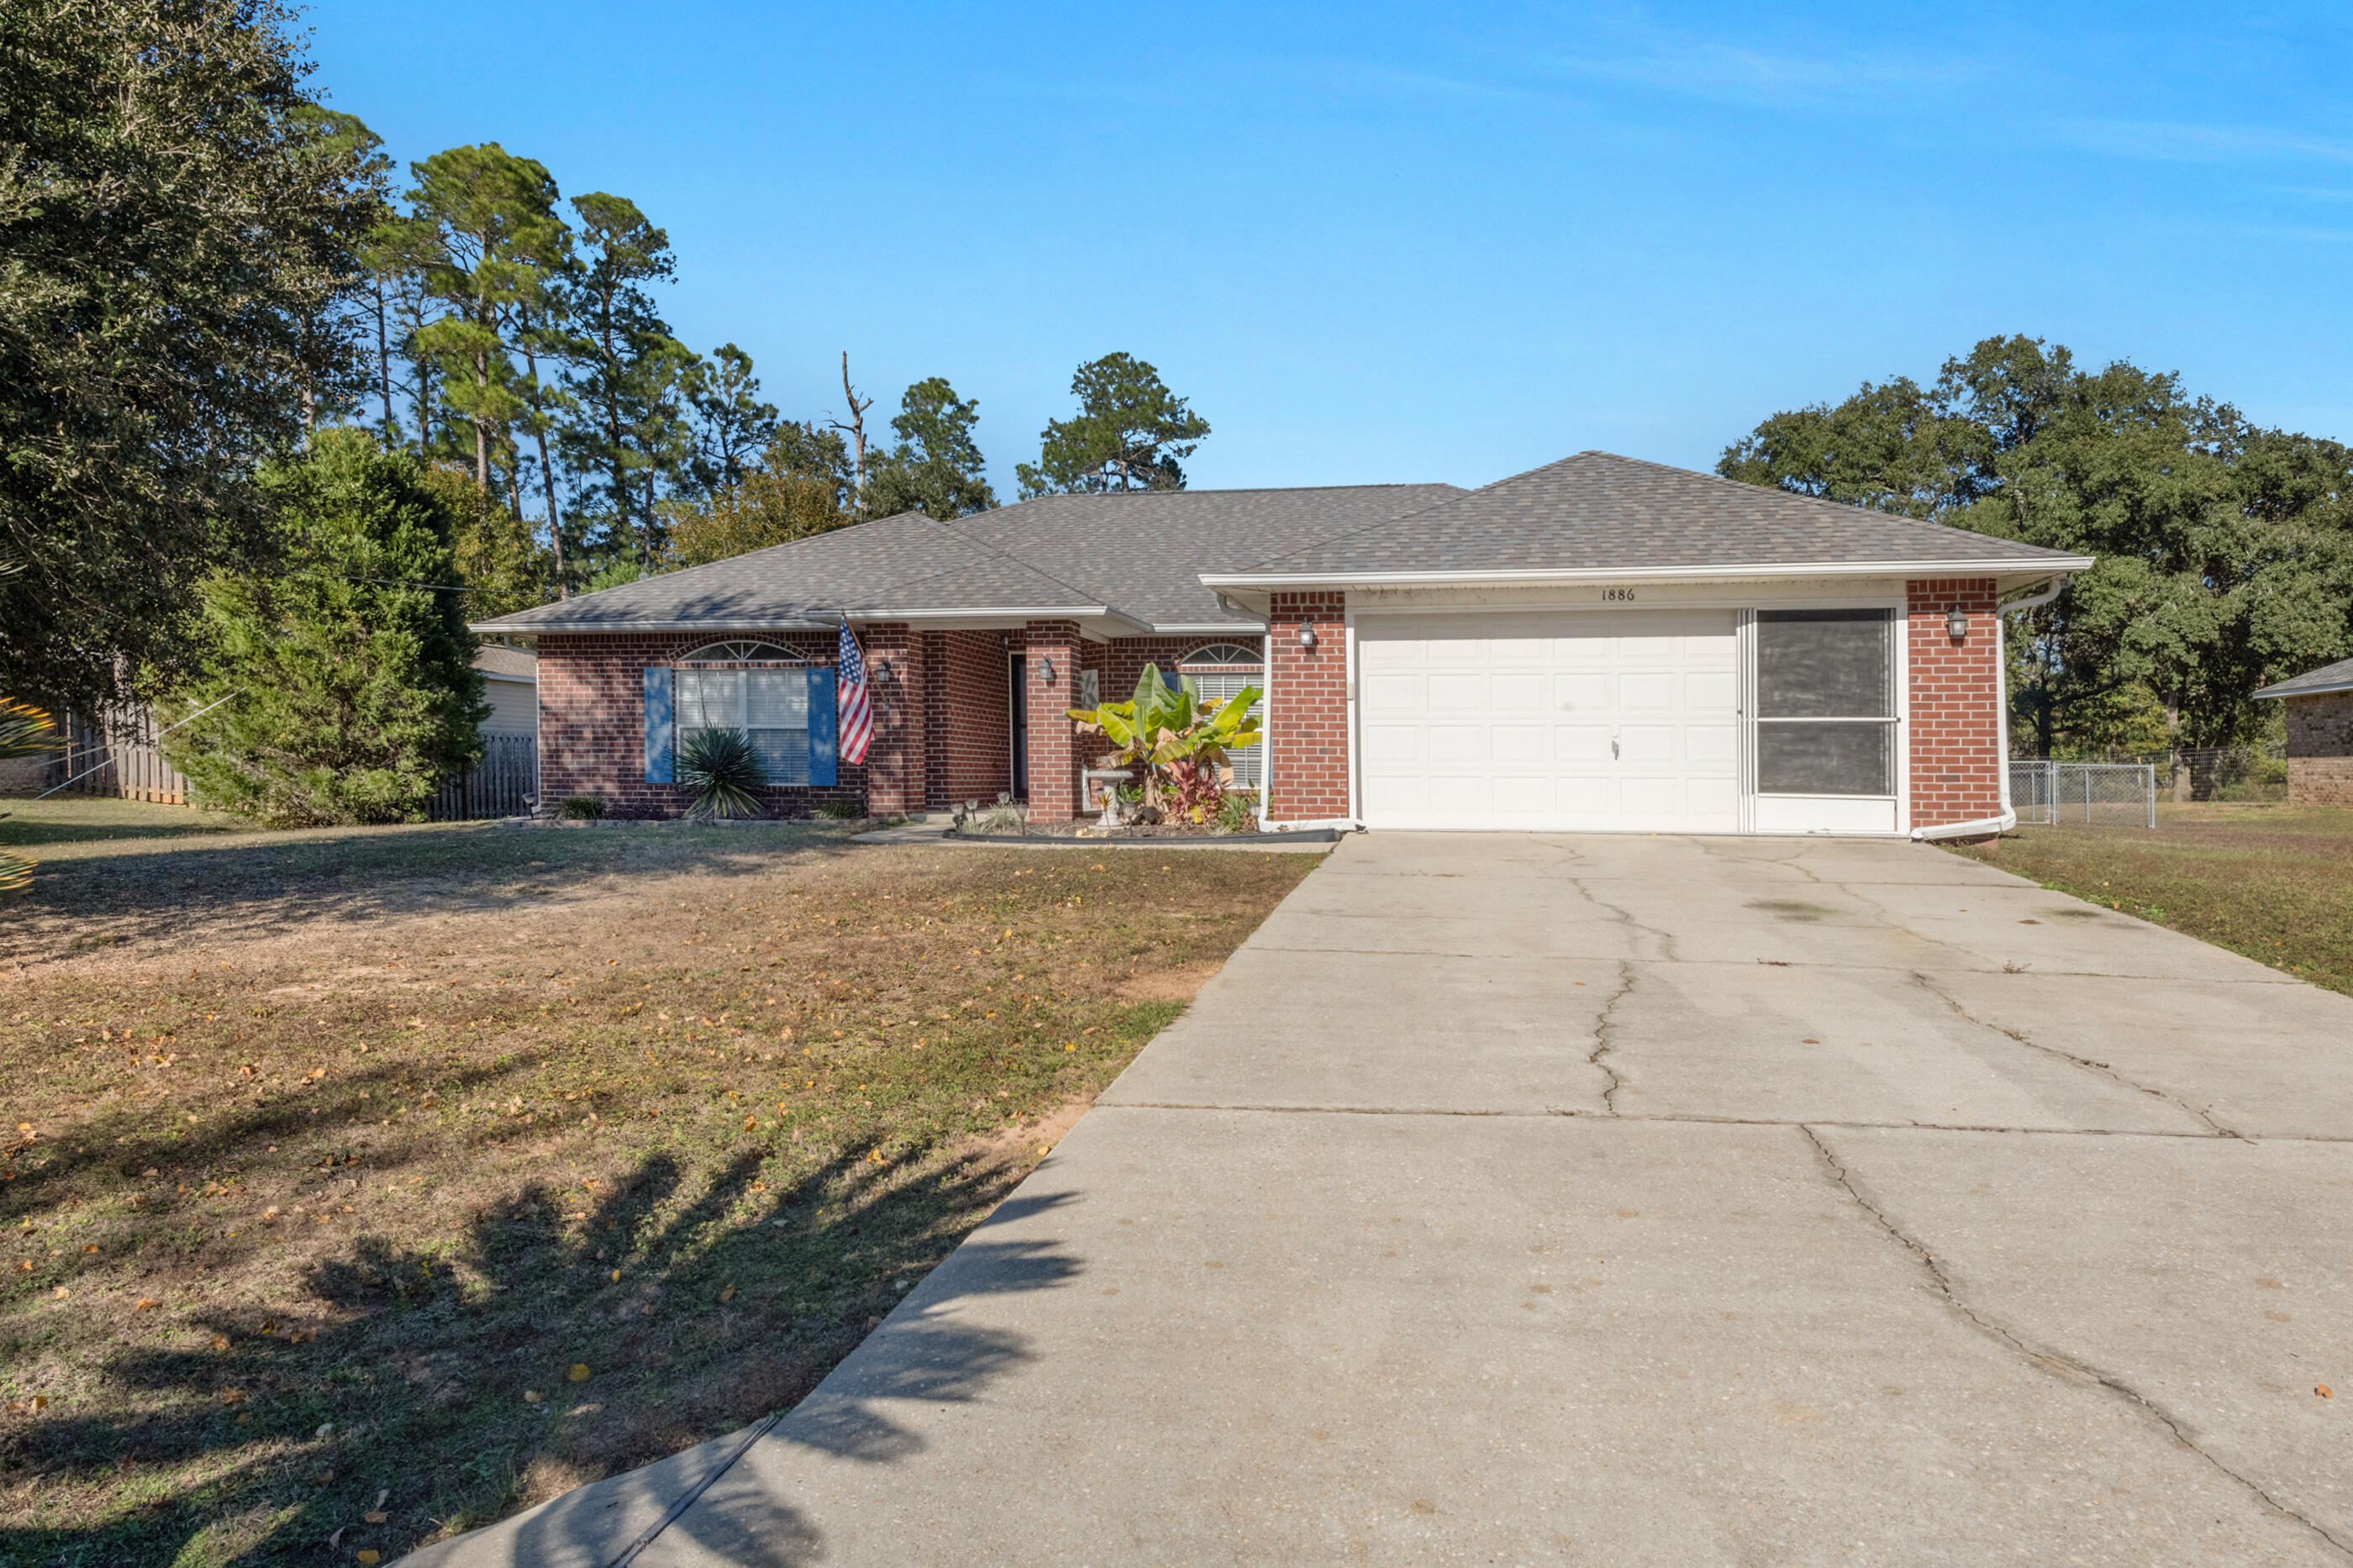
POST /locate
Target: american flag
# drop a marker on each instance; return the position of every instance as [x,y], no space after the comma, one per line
[857,717]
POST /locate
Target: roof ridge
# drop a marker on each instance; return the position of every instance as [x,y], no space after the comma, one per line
[1018,561]
[1383,522]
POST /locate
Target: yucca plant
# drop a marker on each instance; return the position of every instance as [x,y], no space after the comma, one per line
[722,768]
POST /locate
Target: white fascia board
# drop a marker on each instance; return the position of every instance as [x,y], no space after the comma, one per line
[973,616]
[2027,569]
[624,629]
[2275,693]
[1210,630]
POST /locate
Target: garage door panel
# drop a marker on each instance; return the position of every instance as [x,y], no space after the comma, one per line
[1709,689]
[1459,794]
[1716,802]
[1588,797]
[1516,693]
[1580,743]
[1391,653]
[1583,693]
[1650,743]
[1397,794]
[1646,692]
[1518,743]
[1524,794]
[1457,743]
[1456,692]
[1393,694]
[1712,744]
[1385,744]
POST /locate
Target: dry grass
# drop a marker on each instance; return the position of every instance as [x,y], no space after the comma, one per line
[334,1155]
[2274,882]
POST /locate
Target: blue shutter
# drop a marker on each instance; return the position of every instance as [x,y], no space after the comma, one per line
[821,728]
[661,731]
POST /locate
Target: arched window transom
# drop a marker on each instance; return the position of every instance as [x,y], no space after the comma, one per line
[741,653]
[1220,653]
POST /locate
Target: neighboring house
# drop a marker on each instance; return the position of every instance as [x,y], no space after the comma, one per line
[510,685]
[1599,644]
[2319,734]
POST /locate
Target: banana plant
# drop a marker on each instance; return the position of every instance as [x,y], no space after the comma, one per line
[24,731]
[1161,726]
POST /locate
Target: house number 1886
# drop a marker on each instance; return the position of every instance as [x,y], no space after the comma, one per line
[1617,595]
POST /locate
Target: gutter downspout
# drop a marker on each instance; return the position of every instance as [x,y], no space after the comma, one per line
[1993,826]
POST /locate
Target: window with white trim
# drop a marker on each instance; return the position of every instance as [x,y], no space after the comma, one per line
[1220,671]
[755,687]
[1826,702]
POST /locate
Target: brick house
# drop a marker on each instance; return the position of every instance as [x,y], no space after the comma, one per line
[1602,644]
[2319,734]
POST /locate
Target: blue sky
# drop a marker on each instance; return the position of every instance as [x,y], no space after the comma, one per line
[1377,242]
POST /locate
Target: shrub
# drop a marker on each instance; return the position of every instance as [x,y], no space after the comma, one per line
[841,810]
[583,808]
[1238,813]
[723,769]
[341,686]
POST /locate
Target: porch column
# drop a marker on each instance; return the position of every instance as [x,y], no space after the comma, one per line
[1051,674]
[895,764]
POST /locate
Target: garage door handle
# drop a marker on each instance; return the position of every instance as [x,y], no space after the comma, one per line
[1613,748]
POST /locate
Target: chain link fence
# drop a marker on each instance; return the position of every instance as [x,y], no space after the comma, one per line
[2113,794]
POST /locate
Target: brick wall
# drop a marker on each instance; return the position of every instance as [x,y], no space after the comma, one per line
[1051,667]
[2320,749]
[1307,710]
[969,754]
[1955,703]
[896,766]
[592,720]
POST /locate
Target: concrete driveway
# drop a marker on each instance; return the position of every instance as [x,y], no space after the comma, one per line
[1622,1200]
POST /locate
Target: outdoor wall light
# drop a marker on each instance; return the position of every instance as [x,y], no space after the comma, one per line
[1046,668]
[1307,637]
[1957,621]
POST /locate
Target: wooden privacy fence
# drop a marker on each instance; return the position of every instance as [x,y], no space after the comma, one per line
[505,782]
[116,754]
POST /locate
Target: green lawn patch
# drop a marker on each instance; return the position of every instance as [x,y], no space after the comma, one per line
[429,1172]
[2274,882]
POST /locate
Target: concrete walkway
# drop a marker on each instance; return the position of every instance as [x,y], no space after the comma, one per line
[1520,1200]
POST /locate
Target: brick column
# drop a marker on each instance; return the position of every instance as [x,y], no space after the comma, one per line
[935,721]
[895,763]
[1053,739]
[1956,703]
[1307,703]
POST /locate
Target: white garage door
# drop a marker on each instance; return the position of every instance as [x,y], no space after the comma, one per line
[1584,720]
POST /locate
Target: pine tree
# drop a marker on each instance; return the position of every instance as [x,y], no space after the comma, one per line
[349,672]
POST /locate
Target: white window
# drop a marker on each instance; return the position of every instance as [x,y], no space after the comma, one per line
[744,685]
[1220,671]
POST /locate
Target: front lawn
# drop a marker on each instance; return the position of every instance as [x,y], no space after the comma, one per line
[387,1181]
[2274,882]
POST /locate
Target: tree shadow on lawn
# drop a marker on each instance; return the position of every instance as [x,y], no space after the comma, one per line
[141,900]
[405,1372]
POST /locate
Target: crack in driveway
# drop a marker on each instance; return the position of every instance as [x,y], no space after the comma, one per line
[2215,1129]
[2055,1361]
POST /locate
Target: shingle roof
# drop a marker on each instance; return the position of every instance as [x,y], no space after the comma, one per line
[900,563]
[2338,677]
[1146,550]
[1137,561]
[1599,511]
[514,663]
[1136,558]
